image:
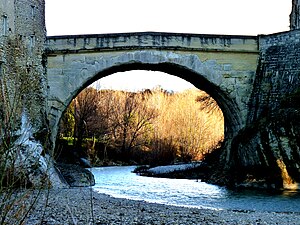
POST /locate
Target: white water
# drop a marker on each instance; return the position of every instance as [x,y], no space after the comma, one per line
[119,182]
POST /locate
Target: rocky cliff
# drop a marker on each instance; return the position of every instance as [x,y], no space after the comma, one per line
[24,159]
[267,152]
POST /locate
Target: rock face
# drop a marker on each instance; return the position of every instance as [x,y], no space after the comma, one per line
[22,37]
[23,125]
[267,152]
[31,166]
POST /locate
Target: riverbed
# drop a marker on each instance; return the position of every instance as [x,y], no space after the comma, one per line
[83,206]
[120,182]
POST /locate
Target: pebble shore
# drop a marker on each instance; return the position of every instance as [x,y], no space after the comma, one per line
[84,206]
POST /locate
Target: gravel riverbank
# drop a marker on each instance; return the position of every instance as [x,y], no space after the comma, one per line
[84,206]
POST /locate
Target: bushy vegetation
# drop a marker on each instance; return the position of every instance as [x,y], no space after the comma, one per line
[149,127]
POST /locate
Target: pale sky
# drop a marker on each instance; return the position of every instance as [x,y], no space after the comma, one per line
[240,17]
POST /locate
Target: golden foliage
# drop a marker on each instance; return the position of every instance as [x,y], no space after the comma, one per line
[189,124]
[186,121]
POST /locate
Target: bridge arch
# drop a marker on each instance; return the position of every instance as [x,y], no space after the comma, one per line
[80,71]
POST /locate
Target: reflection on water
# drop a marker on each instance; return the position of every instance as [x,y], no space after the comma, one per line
[121,183]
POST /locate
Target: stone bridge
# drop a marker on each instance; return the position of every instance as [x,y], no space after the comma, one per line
[254,79]
[224,66]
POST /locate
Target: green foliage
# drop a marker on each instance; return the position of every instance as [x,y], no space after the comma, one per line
[68,122]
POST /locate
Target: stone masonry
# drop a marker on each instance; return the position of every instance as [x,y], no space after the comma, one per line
[267,152]
[224,66]
[295,15]
[22,38]
[255,80]
[23,93]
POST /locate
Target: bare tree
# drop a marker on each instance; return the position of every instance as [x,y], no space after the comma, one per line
[132,120]
[208,103]
[189,123]
[85,109]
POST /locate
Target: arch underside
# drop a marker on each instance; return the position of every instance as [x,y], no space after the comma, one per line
[227,105]
[202,75]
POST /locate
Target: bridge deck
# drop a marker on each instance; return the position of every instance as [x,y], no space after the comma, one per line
[151,40]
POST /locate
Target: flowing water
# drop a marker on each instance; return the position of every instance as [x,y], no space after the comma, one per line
[120,182]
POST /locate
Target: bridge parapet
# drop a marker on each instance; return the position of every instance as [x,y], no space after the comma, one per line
[152,40]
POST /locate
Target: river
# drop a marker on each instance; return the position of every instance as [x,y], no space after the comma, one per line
[120,182]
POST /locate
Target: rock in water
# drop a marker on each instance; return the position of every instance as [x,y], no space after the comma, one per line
[76,176]
[85,163]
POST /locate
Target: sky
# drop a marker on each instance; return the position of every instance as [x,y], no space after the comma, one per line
[234,17]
